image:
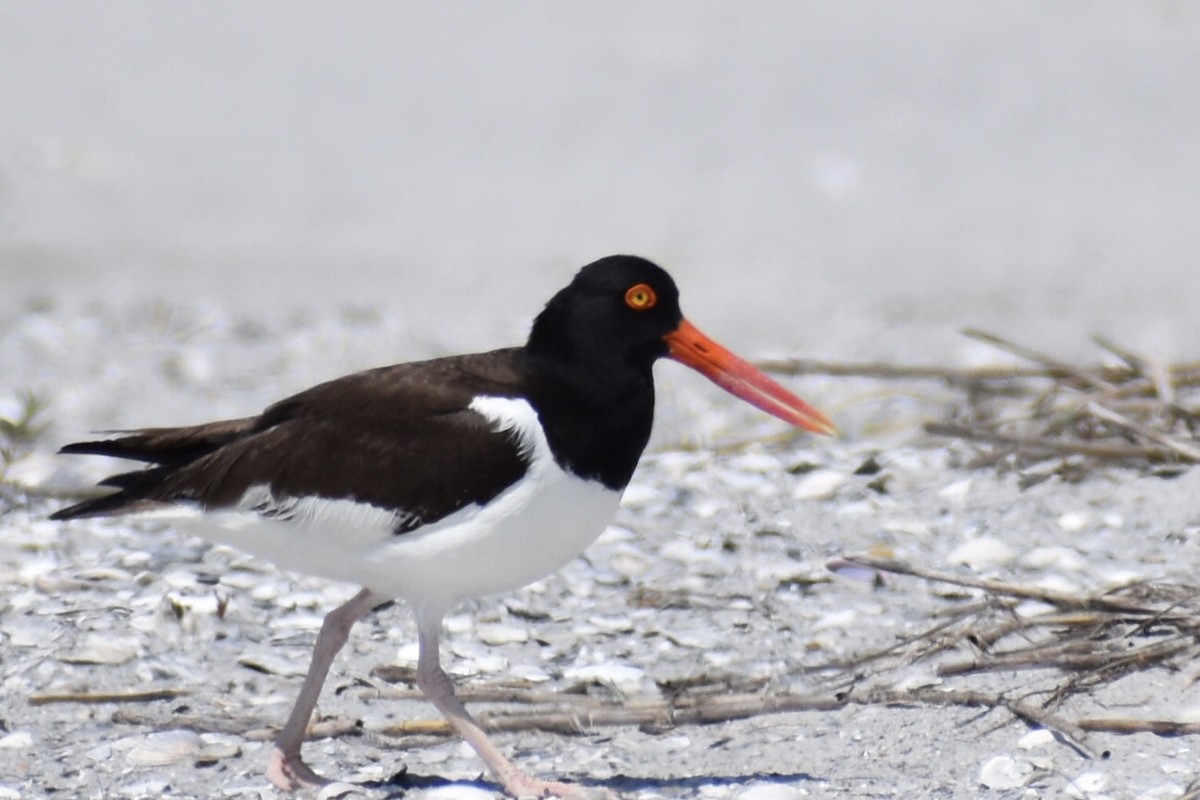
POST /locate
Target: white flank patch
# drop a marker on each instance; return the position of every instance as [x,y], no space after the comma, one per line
[527,532]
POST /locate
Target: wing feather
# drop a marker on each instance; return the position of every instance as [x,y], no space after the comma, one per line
[401,438]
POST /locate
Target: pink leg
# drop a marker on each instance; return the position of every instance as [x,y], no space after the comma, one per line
[286,769]
[439,689]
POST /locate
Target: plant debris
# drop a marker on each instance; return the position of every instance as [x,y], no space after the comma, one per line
[1135,410]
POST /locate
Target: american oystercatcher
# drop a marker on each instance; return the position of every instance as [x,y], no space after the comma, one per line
[436,481]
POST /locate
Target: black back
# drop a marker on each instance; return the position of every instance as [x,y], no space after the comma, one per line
[403,437]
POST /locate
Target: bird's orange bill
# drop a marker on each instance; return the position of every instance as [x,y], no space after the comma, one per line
[691,347]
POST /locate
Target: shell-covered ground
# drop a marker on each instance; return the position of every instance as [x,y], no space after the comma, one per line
[712,580]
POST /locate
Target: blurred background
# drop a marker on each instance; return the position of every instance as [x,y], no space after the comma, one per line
[821,177]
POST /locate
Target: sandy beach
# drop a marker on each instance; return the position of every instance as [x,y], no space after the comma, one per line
[204,209]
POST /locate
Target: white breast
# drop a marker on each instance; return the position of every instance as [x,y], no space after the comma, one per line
[527,532]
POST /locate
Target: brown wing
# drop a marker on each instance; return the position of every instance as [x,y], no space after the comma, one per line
[400,437]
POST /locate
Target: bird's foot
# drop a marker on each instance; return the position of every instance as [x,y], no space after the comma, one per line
[525,786]
[290,773]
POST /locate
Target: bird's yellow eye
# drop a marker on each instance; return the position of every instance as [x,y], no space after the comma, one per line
[641,297]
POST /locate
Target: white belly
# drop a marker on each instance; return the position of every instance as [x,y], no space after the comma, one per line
[527,532]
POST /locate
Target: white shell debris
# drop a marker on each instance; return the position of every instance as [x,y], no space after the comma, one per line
[218,746]
[458,792]
[624,677]
[1089,784]
[758,462]
[1074,521]
[611,624]
[956,491]
[770,791]
[1034,739]
[478,665]
[820,484]
[101,752]
[17,740]
[164,748]
[639,494]
[982,553]
[1169,791]
[339,789]
[528,673]
[1004,772]
[99,649]
[916,528]
[28,632]
[1060,558]
[497,634]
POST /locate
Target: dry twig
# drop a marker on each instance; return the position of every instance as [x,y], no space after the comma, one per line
[1139,411]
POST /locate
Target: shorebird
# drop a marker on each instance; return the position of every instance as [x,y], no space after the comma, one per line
[437,481]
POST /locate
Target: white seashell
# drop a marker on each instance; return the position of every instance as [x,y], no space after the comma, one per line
[408,654]
[982,553]
[1074,521]
[101,649]
[762,790]
[339,789]
[97,574]
[482,665]
[137,559]
[719,658]
[1034,608]
[623,676]
[17,740]
[743,481]
[612,624]
[1034,739]
[1087,784]
[916,528]
[1121,577]
[1057,583]
[918,679]
[843,619]
[297,621]
[217,746]
[1004,772]
[629,563]
[497,634]
[33,568]
[762,463]
[39,470]
[165,748]
[1060,558]
[458,792]
[615,534]
[27,632]
[956,491]
[101,752]
[1169,791]
[179,579]
[820,484]
[529,673]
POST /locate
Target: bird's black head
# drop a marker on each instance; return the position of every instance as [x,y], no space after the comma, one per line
[620,307]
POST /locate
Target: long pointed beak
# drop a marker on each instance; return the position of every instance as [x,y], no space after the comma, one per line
[691,347]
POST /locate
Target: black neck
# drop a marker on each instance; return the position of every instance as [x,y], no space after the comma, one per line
[597,420]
